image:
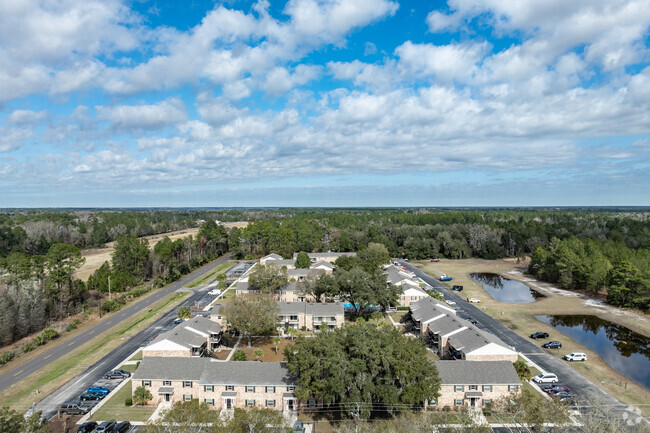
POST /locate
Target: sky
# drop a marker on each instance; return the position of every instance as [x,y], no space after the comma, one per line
[166,103]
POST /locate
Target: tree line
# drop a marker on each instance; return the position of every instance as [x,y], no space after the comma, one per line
[37,290]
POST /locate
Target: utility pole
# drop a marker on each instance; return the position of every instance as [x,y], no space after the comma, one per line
[109,287]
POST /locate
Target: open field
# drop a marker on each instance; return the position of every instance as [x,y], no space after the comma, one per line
[114,408]
[57,373]
[521,318]
[205,279]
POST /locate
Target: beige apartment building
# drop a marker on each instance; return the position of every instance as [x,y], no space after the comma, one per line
[221,385]
[310,316]
[475,383]
[197,336]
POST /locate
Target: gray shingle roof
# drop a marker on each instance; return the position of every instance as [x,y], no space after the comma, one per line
[273,256]
[283,262]
[477,373]
[323,255]
[184,334]
[209,371]
[322,263]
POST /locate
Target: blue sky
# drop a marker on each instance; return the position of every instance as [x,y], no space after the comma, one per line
[324,103]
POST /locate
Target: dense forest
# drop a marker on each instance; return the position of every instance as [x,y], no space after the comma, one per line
[598,250]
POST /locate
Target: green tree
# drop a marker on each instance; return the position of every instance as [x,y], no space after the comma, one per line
[251,314]
[303,261]
[131,256]
[292,332]
[363,363]
[141,395]
[184,312]
[276,343]
[363,289]
[625,284]
[256,420]
[239,355]
[258,353]
[268,279]
[319,285]
[374,257]
[523,370]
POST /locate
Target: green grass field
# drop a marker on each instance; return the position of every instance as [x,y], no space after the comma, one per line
[211,276]
[114,408]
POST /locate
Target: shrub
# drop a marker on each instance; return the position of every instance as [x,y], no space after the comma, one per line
[304,328]
[109,306]
[45,336]
[77,322]
[446,409]
[239,355]
[128,401]
[28,347]
[70,327]
[6,356]
[402,308]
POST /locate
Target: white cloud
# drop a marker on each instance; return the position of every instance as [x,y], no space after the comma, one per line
[13,138]
[26,117]
[124,117]
[445,62]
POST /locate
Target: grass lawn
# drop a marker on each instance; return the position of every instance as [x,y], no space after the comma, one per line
[521,319]
[137,356]
[115,409]
[204,279]
[267,346]
[59,372]
[128,367]
[397,316]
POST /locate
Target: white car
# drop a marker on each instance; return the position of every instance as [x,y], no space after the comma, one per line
[450,302]
[545,378]
[473,300]
[576,356]
[215,292]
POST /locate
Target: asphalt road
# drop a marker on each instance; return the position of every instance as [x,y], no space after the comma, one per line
[32,366]
[586,392]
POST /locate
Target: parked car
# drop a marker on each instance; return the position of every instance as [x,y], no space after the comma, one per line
[445,277]
[178,321]
[122,427]
[117,374]
[545,378]
[99,390]
[435,260]
[560,394]
[106,426]
[214,292]
[298,427]
[473,300]
[74,408]
[537,335]
[576,356]
[450,302]
[552,345]
[87,427]
[457,288]
[88,396]
[555,387]
[472,321]
[568,400]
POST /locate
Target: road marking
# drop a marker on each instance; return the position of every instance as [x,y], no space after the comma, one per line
[71,343]
[47,356]
[18,373]
[91,332]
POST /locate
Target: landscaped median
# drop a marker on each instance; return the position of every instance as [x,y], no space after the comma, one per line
[21,396]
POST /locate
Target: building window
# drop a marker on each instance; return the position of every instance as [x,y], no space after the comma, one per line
[146,383]
[187,384]
[250,389]
[270,403]
[230,388]
[290,388]
[487,388]
[473,387]
[487,401]
[209,401]
[270,389]
[433,402]
[187,397]
[208,388]
[458,402]
[513,388]
[402,298]
[167,383]
[250,403]
[459,388]
[413,298]
[311,403]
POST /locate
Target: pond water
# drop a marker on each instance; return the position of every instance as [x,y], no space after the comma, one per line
[621,348]
[505,290]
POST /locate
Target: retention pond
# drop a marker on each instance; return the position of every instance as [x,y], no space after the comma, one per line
[621,348]
[505,290]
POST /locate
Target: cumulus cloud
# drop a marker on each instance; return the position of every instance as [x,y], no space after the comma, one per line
[13,138]
[26,117]
[445,62]
[155,116]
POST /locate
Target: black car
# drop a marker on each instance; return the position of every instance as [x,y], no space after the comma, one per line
[87,427]
[457,288]
[88,396]
[472,321]
[73,409]
[537,335]
[106,426]
[122,427]
[552,345]
[116,374]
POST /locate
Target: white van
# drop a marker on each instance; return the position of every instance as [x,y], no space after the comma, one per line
[576,356]
[545,378]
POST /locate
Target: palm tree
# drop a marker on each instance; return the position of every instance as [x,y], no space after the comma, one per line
[141,395]
[184,313]
[292,332]
[258,353]
[276,343]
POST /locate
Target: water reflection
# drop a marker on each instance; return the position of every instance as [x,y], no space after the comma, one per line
[621,348]
[505,290]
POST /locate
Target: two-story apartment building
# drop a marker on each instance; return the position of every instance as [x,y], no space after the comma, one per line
[221,385]
[475,383]
[195,337]
[291,292]
[329,257]
[405,280]
[455,338]
[311,316]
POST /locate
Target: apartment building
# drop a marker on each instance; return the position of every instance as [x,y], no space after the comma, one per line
[197,336]
[455,338]
[329,257]
[406,281]
[221,385]
[310,316]
[475,383]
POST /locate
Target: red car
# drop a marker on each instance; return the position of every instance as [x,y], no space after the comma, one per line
[435,260]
